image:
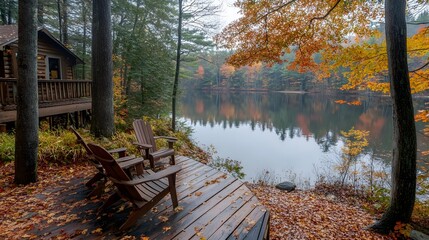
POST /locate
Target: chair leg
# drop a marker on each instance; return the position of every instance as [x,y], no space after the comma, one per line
[110,201]
[97,177]
[172,187]
[135,214]
[172,161]
[152,163]
[139,169]
[98,190]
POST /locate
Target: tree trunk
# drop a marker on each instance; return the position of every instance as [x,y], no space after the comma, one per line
[404,132]
[102,91]
[60,21]
[64,30]
[9,12]
[27,121]
[3,4]
[176,75]
[41,12]
[84,19]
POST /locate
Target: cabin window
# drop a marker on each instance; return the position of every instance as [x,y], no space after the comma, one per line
[54,68]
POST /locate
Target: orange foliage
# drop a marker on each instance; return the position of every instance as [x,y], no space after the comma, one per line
[227,70]
[303,123]
[354,103]
[269,27]
[423,116]
[200,72]
[338,30]
[227,110]
[199,106]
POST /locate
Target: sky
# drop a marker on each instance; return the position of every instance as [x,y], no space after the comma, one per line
[228,14]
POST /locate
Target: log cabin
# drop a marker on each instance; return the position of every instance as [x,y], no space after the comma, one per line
[59,92]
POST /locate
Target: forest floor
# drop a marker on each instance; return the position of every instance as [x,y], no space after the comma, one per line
[294,215]
[310,214]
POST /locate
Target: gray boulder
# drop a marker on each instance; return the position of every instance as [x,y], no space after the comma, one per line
[287,186]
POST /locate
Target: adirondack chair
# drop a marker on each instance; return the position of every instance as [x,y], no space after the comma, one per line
[126,162]
[143,191]
[146,142]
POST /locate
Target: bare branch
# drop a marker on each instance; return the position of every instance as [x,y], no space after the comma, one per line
[420,68]
[278,8]
[327,14]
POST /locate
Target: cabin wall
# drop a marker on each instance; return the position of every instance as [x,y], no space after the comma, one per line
[7,63]
[46,48]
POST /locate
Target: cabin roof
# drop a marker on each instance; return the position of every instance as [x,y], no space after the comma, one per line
[9,34]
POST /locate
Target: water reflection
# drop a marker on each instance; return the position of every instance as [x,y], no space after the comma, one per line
[275,127]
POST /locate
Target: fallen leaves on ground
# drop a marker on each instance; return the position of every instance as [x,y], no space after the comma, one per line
[307,215]
[24,209]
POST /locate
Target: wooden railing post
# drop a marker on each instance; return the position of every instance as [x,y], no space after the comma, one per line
[49,90]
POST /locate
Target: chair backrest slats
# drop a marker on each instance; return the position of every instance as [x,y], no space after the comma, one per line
[144,133]
[80,140]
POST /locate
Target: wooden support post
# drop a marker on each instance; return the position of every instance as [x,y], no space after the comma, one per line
[2,128]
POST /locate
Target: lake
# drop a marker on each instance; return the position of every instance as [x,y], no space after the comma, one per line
[289,135]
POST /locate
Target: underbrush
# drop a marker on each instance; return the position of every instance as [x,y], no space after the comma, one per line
[60,147]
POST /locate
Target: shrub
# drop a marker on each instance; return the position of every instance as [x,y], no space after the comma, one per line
[7,147]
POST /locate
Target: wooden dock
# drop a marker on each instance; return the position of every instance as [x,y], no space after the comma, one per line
[212,205]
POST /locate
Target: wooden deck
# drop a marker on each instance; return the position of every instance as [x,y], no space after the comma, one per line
[55,97]
[212,205]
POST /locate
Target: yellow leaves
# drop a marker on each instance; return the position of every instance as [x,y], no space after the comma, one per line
[198,194]
[166,228]
[355,142]
[97,231]
[422,115]
[178,209]
[379,87]
[163,218]
[353,103]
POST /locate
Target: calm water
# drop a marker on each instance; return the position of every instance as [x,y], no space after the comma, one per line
[286,133]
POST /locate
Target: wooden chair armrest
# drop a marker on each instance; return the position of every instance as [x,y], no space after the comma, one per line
[130,162]
[124,159]
[141,145]
[173,139]
[158,175]
[117,150]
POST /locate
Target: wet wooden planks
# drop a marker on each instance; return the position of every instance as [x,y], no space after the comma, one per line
[212,205]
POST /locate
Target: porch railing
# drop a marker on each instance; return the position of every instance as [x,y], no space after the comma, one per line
[49,90]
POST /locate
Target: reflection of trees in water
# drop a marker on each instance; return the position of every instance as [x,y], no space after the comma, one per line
[313,116]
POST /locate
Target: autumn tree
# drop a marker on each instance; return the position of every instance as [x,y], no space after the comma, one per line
[27,118]
[102,123]
[264,34]
[227,71]
[403,189]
